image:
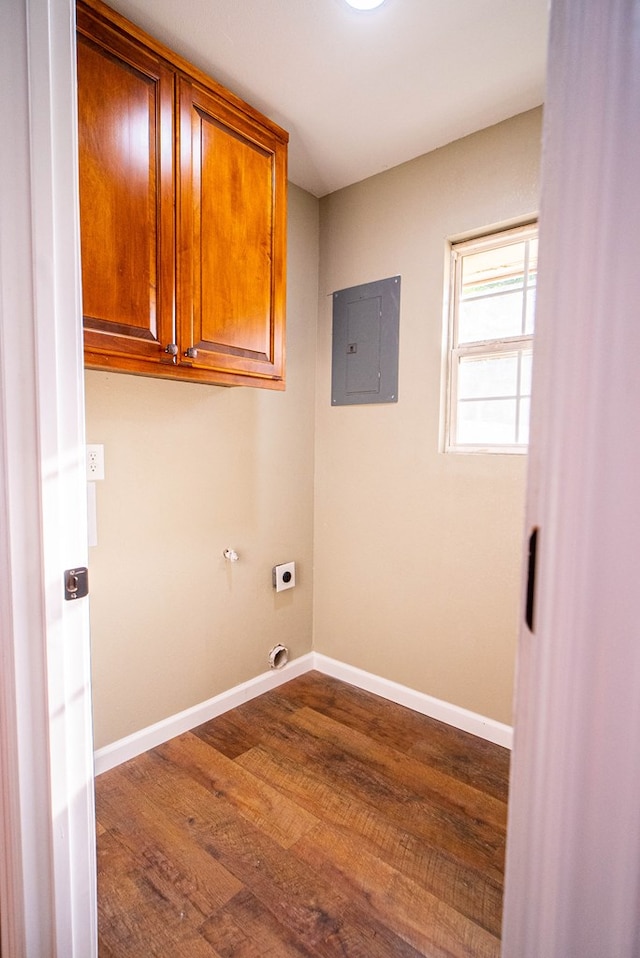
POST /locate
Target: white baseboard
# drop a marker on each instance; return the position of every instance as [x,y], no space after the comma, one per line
[138,742]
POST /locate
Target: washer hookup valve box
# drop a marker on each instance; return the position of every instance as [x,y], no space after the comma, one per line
[284,576]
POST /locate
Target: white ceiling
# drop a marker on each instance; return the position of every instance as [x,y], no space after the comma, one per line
[362,92]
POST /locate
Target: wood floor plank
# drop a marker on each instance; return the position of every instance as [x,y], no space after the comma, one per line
[483,805]
[473,892]
[245,929]
[426,921]
[303,902]
[257,801]
[468,841]
[230,734]
[250,724]
[315,821]
[468,757]
[180,872]
[134,920]
[407,773]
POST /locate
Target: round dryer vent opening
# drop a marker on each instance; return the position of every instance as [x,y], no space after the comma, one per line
[278,656]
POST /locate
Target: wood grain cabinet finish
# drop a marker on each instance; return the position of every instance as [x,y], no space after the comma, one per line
[182,215]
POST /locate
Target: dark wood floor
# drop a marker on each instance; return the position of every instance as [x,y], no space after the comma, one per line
[316,820]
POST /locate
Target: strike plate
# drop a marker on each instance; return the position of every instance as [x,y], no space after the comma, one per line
[76,583]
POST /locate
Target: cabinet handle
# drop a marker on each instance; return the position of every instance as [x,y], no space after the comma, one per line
[191,352]
[172,349]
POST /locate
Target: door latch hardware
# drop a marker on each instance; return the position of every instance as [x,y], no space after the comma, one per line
[76,583]
[531,579]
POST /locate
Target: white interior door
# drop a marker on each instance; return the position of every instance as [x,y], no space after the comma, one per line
[573,855]
[47,869]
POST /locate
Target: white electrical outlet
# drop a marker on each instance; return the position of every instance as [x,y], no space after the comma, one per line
[95,462]
[284,576]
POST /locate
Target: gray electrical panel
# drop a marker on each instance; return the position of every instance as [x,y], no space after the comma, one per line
[366,324]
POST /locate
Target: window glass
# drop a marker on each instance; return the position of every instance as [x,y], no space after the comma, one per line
[490,317]
[487,421]
[523,420]
[479,377]
[526,368]
[491,341]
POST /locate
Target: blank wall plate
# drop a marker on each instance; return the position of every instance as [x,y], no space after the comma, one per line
[284,576]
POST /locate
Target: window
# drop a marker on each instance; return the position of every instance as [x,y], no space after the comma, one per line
[492,307]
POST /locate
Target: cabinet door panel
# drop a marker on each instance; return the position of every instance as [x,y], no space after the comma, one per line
[125,111]
[232,222]
[234,303]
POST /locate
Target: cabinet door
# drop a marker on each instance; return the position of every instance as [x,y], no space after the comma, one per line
[231,242]
[125,119]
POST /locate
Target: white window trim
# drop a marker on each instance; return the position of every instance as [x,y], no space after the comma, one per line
[513,344]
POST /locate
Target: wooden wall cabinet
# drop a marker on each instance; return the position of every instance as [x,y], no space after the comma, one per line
[182,215]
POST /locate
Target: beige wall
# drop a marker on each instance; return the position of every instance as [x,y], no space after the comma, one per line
[415,571]
[418,553]
[190,471]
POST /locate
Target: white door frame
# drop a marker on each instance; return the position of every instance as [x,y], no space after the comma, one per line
[47,822]
[573,850]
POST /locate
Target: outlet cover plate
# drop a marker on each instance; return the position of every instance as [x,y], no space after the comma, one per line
[95,462]
[284,576]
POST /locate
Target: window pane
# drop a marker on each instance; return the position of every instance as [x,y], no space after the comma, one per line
[487,422]
[523,421]
[483,378]
[490,317]
[525,374]
[490,270]
[533,260]
[530,318]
